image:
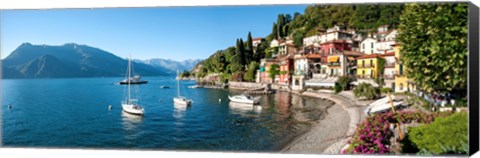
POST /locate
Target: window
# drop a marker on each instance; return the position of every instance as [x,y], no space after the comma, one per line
[363,72]
[363,63]
[371,51]
[297,83]
[372,45]
[401,86]
[363,46]
[401,69]
[371,62]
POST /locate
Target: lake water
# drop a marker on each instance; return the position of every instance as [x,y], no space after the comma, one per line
[73,113]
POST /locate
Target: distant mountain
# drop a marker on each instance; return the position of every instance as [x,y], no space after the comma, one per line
[171,66]
[68,60]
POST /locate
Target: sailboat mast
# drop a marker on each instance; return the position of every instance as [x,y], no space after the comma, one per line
[128,79]
[178,84]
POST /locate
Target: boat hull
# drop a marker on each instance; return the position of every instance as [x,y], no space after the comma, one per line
[137,82]
[181,101]
[128,108]
[243,101]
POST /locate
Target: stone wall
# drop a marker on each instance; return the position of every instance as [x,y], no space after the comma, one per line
[246,85]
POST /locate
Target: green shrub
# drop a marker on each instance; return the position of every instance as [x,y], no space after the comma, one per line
[343,82]
[337,88]
[443,136]
[366,90]
[385,90]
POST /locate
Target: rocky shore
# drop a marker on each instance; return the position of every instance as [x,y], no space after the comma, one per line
[331,134]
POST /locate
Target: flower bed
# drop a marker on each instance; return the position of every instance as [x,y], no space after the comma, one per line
[373,134]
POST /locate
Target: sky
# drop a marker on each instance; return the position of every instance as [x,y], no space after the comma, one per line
[177,33]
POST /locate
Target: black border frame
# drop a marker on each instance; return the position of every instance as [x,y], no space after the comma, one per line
[473,77]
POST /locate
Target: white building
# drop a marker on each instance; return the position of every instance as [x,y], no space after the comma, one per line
[256,41]
[367,46]
[385,43]
[274,43]
[311,40]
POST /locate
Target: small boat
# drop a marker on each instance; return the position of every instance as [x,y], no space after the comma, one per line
[180,99]
[382,105]
[133,80]
[194,86]
[164,87]
[246,99]
[130,105]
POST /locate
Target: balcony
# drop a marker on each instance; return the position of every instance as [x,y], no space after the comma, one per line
[334,64]
[364,76]
[389,76]
[351,64]
[365,66]
[389,65]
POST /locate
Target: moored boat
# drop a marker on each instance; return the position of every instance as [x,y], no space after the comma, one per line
[246,99]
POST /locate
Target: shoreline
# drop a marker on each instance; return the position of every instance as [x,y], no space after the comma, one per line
[331,134]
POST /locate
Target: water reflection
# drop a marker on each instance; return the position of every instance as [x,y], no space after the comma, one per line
[179,111]
[131,125]
[243,109]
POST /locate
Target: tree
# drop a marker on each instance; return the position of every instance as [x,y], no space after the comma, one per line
[185,73]
[274,71]
[365,90]
[433,38]
[249,49]
[240,50]
[252,70]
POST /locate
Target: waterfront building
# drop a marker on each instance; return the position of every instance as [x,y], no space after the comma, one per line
[286,69]
[402,83]
[263,73]
[367,66]
[389,70]
[343,63]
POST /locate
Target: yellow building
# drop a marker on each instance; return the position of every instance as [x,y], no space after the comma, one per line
[402,83]
[367,66]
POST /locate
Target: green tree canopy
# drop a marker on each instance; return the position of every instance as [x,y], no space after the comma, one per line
[434,45]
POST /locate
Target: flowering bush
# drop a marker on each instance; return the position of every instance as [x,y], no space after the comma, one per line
[373,134]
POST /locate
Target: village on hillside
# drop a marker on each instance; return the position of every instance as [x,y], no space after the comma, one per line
[333,53]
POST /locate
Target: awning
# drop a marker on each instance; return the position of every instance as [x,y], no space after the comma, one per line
[351,58]
[333,59]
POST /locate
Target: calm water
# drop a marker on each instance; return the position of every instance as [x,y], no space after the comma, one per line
[74,113]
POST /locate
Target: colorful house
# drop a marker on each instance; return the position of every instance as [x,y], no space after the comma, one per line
[286,70]
[402,83]
[343,63]
[367,66]
[263,73]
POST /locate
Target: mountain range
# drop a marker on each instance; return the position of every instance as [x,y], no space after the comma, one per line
[74,60]
[171,65]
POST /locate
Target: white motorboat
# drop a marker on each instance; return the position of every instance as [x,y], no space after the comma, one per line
[130,105]
[246,99]
[180,99]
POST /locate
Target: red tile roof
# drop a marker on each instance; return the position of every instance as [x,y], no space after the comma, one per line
[388,54]
[369,56]
[258,38]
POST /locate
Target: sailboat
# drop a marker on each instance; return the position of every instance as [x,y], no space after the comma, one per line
[130,105]
[180,99]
